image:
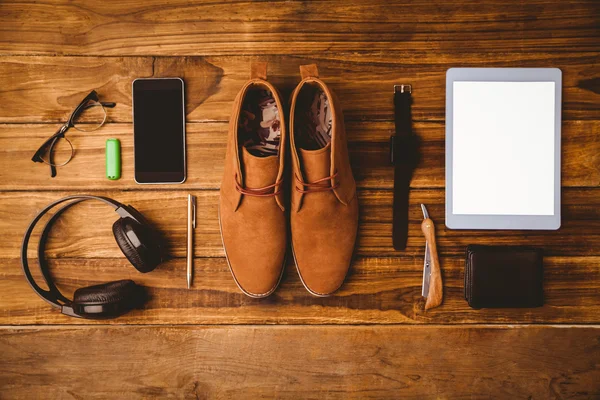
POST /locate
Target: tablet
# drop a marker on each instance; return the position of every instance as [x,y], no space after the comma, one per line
[503,148]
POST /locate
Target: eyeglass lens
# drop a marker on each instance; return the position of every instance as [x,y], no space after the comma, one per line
[60,151]
[89,117]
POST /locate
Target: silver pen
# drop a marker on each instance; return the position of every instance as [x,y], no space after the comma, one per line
[191,225]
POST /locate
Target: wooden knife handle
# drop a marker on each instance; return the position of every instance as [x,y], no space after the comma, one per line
[434,298]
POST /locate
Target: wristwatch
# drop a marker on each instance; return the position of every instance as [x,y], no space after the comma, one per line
[404,155]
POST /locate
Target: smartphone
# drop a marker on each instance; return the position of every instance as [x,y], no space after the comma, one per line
[159,130]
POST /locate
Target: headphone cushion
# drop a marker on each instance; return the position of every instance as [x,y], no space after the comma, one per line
[143,262]
[107,300]
[107,293]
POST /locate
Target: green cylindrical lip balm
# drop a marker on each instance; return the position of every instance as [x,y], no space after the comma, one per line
[113,159]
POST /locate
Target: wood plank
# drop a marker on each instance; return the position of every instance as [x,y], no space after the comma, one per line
[300,27]
[376,291]
[293,362]
[206,142]
[85,231]
[46,89]
[54,53]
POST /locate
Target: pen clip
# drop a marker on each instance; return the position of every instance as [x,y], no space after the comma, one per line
[194,211]
[192,200]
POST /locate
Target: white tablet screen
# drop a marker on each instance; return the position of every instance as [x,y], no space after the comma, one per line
[503,148]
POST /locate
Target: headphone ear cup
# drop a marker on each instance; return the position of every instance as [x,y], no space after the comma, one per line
[107,300]
[138,243]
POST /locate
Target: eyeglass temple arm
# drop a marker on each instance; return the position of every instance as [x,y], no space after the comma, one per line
[37,157]
[38,154]
[51,157]
[94,96]
[104,104]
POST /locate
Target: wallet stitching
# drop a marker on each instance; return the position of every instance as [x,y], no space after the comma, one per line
[470,279]
[466,276]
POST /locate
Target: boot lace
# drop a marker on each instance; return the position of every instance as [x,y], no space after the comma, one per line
[266,191]
[320,185]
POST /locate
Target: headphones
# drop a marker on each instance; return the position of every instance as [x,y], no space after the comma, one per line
[138,241]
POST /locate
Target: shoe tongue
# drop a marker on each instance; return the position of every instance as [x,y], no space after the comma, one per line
[316,164]
[259,171]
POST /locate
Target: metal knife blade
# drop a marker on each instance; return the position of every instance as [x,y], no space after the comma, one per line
[425,213]
[426,272]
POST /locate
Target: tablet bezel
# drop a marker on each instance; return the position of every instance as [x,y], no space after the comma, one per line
[537,222]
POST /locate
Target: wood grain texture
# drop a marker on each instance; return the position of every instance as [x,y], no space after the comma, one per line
[52,53]
[85,230]
[296,362]
[301,27]
[363,82]
[368,144]
[377,291]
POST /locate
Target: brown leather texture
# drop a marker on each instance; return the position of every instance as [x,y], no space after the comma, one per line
[504,276]
[254,227]
[324,221]
[309,71]
[258,70]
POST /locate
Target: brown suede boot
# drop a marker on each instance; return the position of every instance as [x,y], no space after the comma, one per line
[324,207]
[251,207]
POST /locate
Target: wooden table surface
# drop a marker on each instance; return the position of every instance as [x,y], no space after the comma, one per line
[370,340]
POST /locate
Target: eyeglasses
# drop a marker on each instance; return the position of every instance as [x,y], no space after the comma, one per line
[89,116]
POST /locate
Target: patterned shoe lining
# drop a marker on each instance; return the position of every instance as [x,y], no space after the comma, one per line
[313,120]
[259,126]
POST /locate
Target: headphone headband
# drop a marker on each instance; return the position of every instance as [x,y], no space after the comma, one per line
[53,296]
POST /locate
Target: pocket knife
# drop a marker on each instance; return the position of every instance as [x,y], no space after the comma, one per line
[432,278]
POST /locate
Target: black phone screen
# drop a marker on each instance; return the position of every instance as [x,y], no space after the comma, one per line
[159,130]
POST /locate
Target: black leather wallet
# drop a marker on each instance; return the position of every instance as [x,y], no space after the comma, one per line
[503,276]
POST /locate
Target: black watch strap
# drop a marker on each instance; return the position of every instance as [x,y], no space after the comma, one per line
[403,154]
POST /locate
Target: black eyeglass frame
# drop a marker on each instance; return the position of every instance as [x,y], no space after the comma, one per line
[91,100]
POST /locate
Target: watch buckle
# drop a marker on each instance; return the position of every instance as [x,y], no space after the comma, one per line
[403,88]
